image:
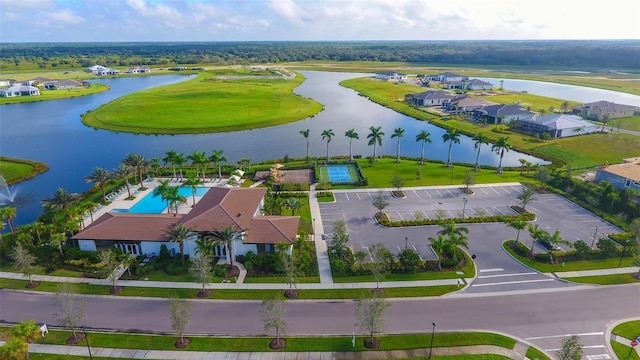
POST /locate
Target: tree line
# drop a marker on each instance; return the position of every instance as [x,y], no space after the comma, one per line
[605,54]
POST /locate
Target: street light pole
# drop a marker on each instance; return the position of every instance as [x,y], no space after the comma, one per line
[433,332]
[406,240]
[594,237]
[464,205]
[86,339]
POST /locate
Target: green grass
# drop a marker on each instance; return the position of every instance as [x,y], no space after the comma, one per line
[605,279]
[234,294]
[629,330]
[55,94]
[380,173]
[280,280]
[16,170]
[622,351]
[532,101]
[632,123]
[595,264]
[533,353]
[161,275]
[220,105]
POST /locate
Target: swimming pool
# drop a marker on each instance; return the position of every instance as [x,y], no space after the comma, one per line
[154,205]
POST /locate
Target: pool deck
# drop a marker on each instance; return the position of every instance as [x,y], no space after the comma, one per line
[119,201]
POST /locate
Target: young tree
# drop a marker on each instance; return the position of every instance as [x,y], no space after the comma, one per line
[272,316]
[180,312]
[110,270]
[340,238]
[526,197]
[423,137]
[381,258]
[479,140]
[452,136]
[636,262]
[291,273]
[23,261]
[369,315]
[293,204]
[571,349]
[375,138]
[537,234]
[409,260]
[328,134]
[379,202]
[542,175]
[70,309]
[397,183]
[201,270]
[469,180]
[399,134]
[351,134]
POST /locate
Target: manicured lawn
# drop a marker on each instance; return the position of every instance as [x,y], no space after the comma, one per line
[221,105]
[161,275]
[56,94]
[622,351]
[280,280]
[629,330]
[532,101]
[381,172]
[16,170]
[632,123]
[571,265]
[533,353]
[605,279]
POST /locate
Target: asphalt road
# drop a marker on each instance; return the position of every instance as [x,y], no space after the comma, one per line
[542,317]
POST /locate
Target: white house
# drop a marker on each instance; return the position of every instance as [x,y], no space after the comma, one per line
[464,103]
[238,208]
[102,70]
[429,98]
[622,176]
[477,84]
[447,77]
[391,76]
[138,70]
[62,84]
[19,90]
[556,125]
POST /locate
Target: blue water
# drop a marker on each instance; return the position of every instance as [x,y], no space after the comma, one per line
[154,205]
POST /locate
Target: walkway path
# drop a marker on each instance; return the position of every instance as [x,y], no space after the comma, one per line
[324,266]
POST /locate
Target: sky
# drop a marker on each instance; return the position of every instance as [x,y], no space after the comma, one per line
[315,20]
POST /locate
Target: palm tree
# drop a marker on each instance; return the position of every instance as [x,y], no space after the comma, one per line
[226,237]
[479,140]
[305,133]
[170,159]
[60,199]
[194,182]
[124,171]
[293,204]
[452,136]
[154,164]
[327,134]
[449,228]
[423,136]
[398,133]
[163,190]
[517,224]
[564,106]
[523,163]
[500,147]
[179,159]
[217,158]
[375,138]
[9,213]
[351,134]
[100,177]
[441,246]
[204,247]
[139,163]
[179,234]
[175,199]
[199,158]
[26,332]
[536,234]
[90,207]
[56,240]
[457,240]
[526,196]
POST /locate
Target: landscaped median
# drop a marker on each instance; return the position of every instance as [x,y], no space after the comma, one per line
[462,345]
[621,338]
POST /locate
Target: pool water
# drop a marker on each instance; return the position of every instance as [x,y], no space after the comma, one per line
[154,205]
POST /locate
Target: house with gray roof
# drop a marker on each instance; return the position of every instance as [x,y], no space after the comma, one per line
[621,176]
[477,84]
[464,104]
[429,98]
[556,125]
[19,90]
[605,109]
[501,114]
[447,77]
[391,76]
[62,84]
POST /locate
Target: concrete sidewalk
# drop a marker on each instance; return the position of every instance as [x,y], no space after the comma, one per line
[600,272]
[80,350]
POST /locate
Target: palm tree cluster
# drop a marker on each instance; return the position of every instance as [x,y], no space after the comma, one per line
[199,162]
[447,241]
[375,136]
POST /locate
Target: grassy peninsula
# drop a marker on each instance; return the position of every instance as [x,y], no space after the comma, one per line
[16,170]
[206,104]
[576,152]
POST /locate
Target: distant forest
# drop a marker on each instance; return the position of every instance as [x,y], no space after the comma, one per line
[622,54]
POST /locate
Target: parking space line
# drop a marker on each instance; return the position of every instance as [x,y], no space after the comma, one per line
[598,357]
[416,250]
[502,212]
[347,196]
[505,190]
[450,214]
[429,195]
[415,192]
[450,193]
[370,198]
[358,195]
[439,193]
[512,282]
[494,190]
[584,347]
[481,189]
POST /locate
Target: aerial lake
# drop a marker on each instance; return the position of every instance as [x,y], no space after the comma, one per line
[52,132]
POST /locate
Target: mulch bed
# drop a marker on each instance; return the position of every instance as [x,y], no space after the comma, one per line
[291,294]
[398,194]
[370,343]
[464,190]
[182,344]
[277,345]
[74,340]
[378,291]
[636,276]
[116,290]
[232,272]
[204,293]
[32,285]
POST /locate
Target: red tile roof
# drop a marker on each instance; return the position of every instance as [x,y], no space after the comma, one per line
[132,227]
[272,230]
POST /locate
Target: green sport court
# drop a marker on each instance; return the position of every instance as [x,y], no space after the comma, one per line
[338,173]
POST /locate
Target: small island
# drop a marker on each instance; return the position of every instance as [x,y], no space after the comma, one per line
[16,170]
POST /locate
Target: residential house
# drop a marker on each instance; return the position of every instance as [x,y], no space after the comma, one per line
[429,98]
[391,76]
[35,81]
[464,104]
[600,110]
[238,208]
[62,84]
[556,125]
[6,82]
[138,70]
[446,77]
[477,84]
[622,176]
[501,114]
[454,85]
[19,90]
[102,70]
